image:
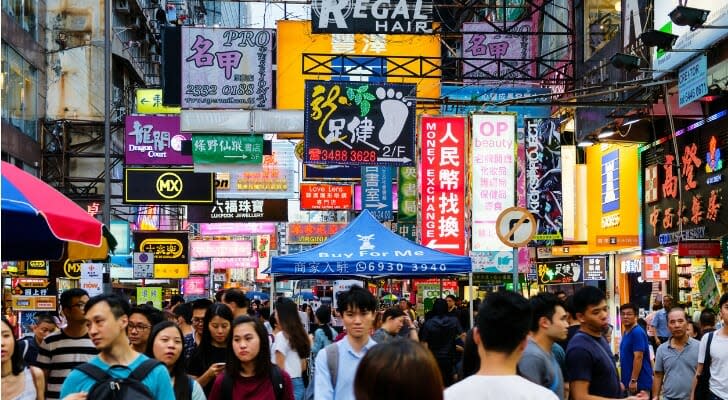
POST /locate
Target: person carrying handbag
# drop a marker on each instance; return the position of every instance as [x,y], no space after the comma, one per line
[711,376]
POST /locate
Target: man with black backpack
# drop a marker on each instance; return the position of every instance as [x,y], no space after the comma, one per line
[118,372]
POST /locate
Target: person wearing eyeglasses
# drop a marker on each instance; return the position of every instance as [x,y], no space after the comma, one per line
[192,340]
[141,321]
[68,348]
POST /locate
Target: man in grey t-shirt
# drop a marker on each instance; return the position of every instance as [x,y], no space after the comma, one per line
[676,360]
[548,325]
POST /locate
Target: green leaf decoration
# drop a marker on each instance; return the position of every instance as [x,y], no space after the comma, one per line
[368,96]
[357,99]
[350,93]
[365,106]
[363,89]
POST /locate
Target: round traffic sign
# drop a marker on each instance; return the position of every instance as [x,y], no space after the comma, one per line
[515,226]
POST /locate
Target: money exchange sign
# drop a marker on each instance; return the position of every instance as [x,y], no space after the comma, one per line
[227,68]
[443,183]
[359,123]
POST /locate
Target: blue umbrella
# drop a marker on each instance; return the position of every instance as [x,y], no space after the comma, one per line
[257,295]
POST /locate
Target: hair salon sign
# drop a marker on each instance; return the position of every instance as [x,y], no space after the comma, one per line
[367,16]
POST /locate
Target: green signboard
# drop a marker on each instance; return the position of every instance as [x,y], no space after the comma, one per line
[227,149]
[708,286]
[407,179]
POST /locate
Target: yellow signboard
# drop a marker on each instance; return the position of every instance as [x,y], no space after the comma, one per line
[171,271]
[149,101]
[34,303]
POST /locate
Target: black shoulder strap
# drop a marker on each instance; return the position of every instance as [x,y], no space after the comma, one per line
[144,369]
[707,359]
[98,374]
[226,391]
[276,378]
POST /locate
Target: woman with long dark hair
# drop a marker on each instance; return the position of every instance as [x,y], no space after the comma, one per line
[249,371]
[208,360]
[292,345]
[166,345]
[324,333]
[19,382]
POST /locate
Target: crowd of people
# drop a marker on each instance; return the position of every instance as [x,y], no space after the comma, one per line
[545,347]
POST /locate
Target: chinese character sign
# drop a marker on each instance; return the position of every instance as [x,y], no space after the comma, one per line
[376,191]
[326,197]
[442,183]
[154,140]
[559,272]
[487,53]
[493,176]
[543,178]
[407,188]
[227,68]
[331,16]
[359,123]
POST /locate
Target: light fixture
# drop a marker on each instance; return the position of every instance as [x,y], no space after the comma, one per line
[627,62]
[605,133]
[663,40]
[586,142]
[688,16]
[632,121]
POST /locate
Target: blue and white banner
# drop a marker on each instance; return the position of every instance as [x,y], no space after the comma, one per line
[376,191]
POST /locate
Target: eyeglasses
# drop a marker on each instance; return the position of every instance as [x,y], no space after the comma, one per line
[197,320]
[138,327]
[81,305]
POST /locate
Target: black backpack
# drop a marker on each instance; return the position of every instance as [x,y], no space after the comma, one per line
[276,379]
[109,388]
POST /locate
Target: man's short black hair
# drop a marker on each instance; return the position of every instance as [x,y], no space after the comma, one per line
[357,298]
[119,305]
[152,315]
[629,306]
[451,296]
[184,310]
[236,296]
[176,299]
[68,295]
[723,300]
[201,304]
[585,297]
[393,312]
[542,305]
[503,321]
[42,317]
[707,317]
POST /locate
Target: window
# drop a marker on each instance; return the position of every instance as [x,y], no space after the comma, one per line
[19,88]
[24,12]
[602,20]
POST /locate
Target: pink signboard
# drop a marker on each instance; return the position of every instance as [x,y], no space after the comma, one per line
[234,228]
[194,286]
[154,140]
[234,262]
[220,248]
[201,267]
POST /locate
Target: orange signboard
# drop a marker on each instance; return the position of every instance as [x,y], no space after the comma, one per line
[316,196]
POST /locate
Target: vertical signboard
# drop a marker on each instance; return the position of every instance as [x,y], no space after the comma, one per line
[227,68]
[493,176]
[407,191]
[442,183]
[376,191]
[543,179]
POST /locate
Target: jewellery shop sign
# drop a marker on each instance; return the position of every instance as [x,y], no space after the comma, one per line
[359,123]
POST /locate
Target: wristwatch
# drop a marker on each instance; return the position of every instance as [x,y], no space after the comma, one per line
[633,381]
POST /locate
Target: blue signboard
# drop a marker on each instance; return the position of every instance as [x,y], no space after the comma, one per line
[610,182]
[489,95]
[376,191]
[692,81]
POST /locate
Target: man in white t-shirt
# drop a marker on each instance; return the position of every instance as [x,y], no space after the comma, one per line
[718,355]
[500,334]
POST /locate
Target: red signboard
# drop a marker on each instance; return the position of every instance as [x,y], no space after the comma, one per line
[699,248]
[442,183]
[315,196]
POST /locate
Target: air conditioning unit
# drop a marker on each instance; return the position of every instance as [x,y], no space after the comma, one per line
[122,6]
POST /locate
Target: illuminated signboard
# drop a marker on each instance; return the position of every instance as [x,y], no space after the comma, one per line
[326,197]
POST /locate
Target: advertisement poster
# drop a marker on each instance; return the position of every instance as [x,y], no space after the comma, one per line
[359,123]
[227,68]
[543,179]
[559,272]
[442,183]
[154,140]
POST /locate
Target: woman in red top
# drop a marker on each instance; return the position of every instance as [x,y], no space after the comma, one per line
[249,365]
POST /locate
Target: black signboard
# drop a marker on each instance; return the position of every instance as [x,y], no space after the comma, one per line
[701,182]
[169,247]
[363,16]
[240,210]
[319,172]
[595,268]
[359,123]
[168,186]
[559,272]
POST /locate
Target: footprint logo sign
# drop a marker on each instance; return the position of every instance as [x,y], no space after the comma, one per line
[395,111]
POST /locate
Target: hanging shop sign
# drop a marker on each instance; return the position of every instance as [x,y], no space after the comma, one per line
[321,172]
[240,210]
[220,248]
[595,268]
[492,262]
[234,262]
[227,68]
[656,268]
[92,278]
[154,140]
[200,267]
[407,194]
[153,294]
[689,203]
[631,266]
[359,123]
[489,95]
[168,186]
[194,286]
[361,16]
[699,248]
[487,52]
[442,172]
[692,80]
[407,230]
[493,174]
[143,265]
[376,191]
[36,268]
[559,272]
[227,229]
[358,197]
[708,285]
[543,179]
[227,149]
[149,101]
[316,196]
[32,287]
[34,303]
[275,178]
[170,252]
[312,233]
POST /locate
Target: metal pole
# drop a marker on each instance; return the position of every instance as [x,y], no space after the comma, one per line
[107,113]
[515,269]
[470,285]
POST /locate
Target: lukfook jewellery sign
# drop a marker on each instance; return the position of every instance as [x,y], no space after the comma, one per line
[378,16]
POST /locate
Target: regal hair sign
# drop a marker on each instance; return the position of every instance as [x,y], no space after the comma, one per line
[378,16]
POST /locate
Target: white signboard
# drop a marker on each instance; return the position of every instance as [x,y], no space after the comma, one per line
[692,81]
[92,278]
[493,166]
[343,286]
